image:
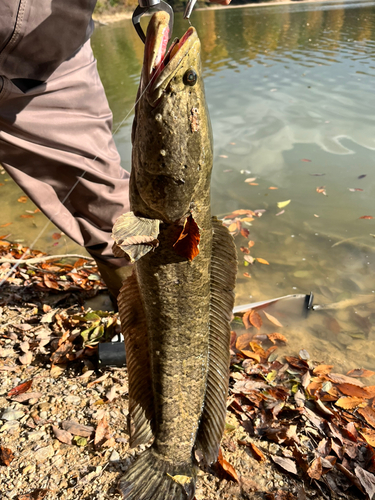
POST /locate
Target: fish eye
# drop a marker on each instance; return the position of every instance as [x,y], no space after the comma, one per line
[190,77]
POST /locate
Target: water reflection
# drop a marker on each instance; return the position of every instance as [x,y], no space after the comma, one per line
[284,84]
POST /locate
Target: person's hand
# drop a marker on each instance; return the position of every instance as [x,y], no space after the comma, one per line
[221,2]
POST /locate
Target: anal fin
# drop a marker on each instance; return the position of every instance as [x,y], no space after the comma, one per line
[223,279]
[134,330]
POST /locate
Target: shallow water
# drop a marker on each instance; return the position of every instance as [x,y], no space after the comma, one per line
[284,84]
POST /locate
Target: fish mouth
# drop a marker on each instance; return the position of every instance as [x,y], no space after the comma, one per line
[160,63]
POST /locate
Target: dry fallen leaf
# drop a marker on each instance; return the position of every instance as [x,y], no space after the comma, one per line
[62,436]
[315,470]
[6,455]
[322,369]
[37,494]
[368,414]
[349,402]
[286,463]
[227,467]
[102,433]
[20,389]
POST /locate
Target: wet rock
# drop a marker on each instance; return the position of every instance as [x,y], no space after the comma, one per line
[344,339]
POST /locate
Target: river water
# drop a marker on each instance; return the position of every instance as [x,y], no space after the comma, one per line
[290,94]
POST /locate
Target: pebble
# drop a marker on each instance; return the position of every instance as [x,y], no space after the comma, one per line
[74,400]
[12,425]
[114,456]
[12,415]
[43,454]
[36,436]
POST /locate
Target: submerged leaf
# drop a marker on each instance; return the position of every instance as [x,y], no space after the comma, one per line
[282,204]
[360,372]
[255,319]
[187,244]
[271,318]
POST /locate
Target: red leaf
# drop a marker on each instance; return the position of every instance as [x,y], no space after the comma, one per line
[187,244]
[366,217]
[56,236]
[20,389]
[227,467]
[245,232]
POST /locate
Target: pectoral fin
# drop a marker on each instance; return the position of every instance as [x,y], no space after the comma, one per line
[136,236]
[223,279]
[134,330]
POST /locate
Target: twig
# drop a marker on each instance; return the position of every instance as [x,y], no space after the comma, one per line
[37,260]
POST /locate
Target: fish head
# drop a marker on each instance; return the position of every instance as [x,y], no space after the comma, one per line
[172,139]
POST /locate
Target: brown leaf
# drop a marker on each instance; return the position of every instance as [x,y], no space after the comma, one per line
[348,402]
[353,390]
[243,341]
[56,236]
[252,355]
[247,275]
[360,372]
[60,356]
[187,244]
[369,437]
[20,389]
[368,414]
[243,212]
[337,378]
[315,470]
[366,217]
[257,454]
[102,432]
[271,318]
[277,336]
[246,319]
[286,463]
[250,243]
[332,324]
[22,199]
[227,467]
[50,282]
[245,232]
[322,369]
[255,319]
[6,455]
[62,436]
[26,216]
[5,225]
[370,391]
[245,250]
[232,227]
[297,362]
[21,398]
[367,480]
[77,429]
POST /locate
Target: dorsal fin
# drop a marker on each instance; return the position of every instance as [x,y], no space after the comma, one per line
[223,279]
[134,330]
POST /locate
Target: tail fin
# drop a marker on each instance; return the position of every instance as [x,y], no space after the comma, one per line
[152,477]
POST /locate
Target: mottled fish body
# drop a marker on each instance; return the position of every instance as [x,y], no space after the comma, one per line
[176,307]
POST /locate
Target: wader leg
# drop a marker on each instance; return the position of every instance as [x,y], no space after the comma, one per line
[57,135]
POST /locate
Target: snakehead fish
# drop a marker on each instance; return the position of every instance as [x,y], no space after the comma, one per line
[176,307]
